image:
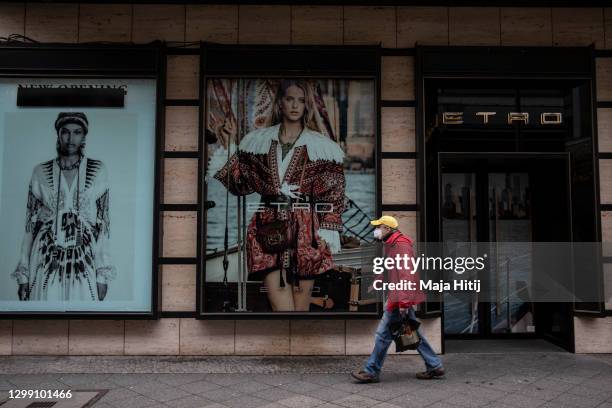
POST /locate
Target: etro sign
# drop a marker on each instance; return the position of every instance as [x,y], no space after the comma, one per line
[544,118]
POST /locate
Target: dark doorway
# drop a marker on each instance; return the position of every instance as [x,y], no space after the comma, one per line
[497,120]
[513,197]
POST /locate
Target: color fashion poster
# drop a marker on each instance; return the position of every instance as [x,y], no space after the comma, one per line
[291,172]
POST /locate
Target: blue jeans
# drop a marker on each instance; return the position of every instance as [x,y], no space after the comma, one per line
[384,339]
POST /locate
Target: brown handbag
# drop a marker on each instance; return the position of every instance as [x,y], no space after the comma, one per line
[277,235]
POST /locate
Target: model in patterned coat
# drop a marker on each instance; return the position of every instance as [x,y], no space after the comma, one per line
[299,174]
[65,250]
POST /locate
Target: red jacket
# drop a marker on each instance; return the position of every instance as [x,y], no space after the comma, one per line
[399,244]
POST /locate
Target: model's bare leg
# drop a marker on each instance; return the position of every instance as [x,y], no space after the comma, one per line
[280,298]
[302,295]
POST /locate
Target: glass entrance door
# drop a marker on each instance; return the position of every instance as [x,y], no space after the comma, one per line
[458,215]
[509,219]
[488,206]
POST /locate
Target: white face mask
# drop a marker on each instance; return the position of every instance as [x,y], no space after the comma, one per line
[378,234]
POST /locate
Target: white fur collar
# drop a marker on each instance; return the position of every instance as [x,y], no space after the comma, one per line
[318,146]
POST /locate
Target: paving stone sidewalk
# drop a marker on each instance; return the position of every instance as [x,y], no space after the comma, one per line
[519,380]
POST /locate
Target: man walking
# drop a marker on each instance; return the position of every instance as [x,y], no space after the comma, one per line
[398,307]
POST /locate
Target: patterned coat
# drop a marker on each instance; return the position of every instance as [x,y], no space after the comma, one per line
[258,167]
[65,248]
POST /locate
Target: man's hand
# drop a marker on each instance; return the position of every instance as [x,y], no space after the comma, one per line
[22,291]
[102,288]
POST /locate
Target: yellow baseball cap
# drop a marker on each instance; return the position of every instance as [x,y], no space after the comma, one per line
[387,220]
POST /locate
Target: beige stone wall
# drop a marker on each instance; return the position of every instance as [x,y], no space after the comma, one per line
[391,26]
[594,335]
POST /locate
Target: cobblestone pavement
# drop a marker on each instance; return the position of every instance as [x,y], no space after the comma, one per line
[519,380]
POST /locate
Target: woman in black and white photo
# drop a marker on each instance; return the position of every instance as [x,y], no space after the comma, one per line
[65,252]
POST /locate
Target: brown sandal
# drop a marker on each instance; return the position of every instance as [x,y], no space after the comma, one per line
[327,302]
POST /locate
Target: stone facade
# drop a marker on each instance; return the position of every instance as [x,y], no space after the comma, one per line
[284,24]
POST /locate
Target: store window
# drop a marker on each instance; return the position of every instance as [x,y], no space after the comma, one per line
[291,182]
[77,182]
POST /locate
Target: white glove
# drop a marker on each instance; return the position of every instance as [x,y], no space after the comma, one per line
[290,190]
[332,238]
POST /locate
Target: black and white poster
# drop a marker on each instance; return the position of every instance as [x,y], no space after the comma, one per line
[76,195]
